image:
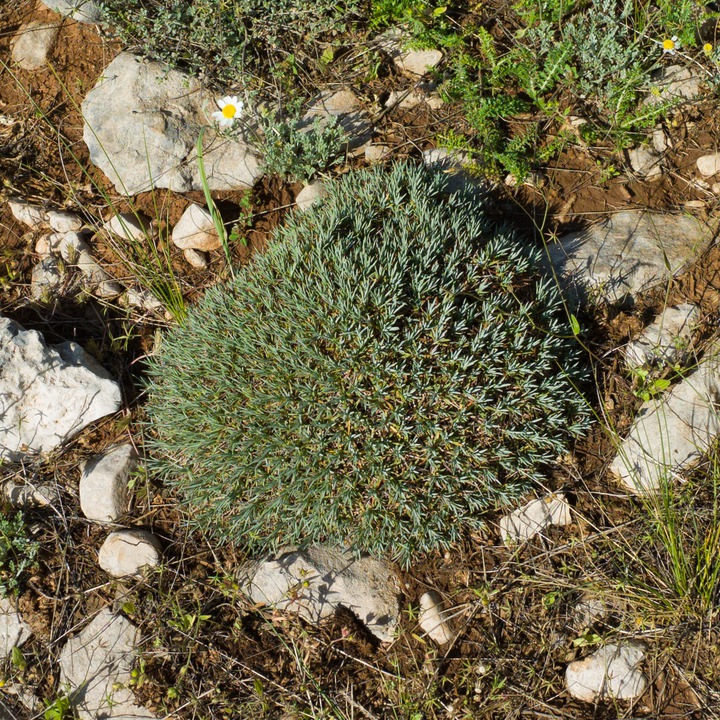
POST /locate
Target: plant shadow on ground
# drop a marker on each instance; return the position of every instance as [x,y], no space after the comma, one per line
[207,652]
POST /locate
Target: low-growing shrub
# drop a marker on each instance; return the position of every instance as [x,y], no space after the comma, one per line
[297,152]
[393,366]
[222,39]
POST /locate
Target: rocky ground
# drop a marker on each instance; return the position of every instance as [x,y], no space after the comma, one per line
[596,599]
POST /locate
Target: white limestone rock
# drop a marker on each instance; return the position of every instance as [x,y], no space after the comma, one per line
[660,140]
[377,153]
[129,552]
[104,484]
[14,631]
[196,230]
[675,82]
[432,618]
[589,610]
[97,665]
[47,276]
[535,517]
[63,222]
[454,164]
[316,581]
[132,227]
[667,340]
[645,162]
[672,431]
[70,245]
[76,252]
[310,195]
[196,258]
[136,298]
[421,93]
[142,122]
[84,11]
[413,62]
[346,109]
[708,165]
[27,496]
[626,254]
[33,43]
[31,215]
[47,394]
[612,672]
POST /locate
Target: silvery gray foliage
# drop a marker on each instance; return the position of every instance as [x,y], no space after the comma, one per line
[392,367]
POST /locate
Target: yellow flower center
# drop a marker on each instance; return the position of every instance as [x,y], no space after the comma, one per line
[229,111]
[668,44]
[707,48]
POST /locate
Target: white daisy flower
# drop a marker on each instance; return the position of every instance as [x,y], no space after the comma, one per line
[670,45]
[230,110]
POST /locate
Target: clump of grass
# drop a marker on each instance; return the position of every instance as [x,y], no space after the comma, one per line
[392,367]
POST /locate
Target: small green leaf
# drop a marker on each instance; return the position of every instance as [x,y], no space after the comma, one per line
[259,689]
[18,659]
[328,55]
[574,325]
[128,608]
[438,11]
[660,385]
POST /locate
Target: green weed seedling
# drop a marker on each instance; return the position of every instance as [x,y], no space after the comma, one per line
[18,553]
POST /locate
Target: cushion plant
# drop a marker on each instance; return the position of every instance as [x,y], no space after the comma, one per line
[391,368]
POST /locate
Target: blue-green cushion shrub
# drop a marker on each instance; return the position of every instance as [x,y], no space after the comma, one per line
[391,368]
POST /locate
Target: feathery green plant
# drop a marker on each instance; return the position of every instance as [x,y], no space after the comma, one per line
[392,367]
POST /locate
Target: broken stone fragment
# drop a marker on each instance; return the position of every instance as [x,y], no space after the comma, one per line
[143,299]
[310,195]
[196,230]
[47,276]
[104,484]
[671,431]
[14,631]
[377,153]
[413,62]
[531,519]
[612,672]
[141,125]
[674,82]
[84,11]
[645,162]
[27,496]
[133,227]
[667,340]
[97,664]
[457,166]
[628,253]
[708,165]
[63,222]
[344,107]
[31,215]
[432,618]
[196,258]
[315,581]
[33,43]
[47,394]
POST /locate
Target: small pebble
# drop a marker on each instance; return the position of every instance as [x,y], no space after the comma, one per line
[432,618]
[129,226]
[196,258]
[128,552]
